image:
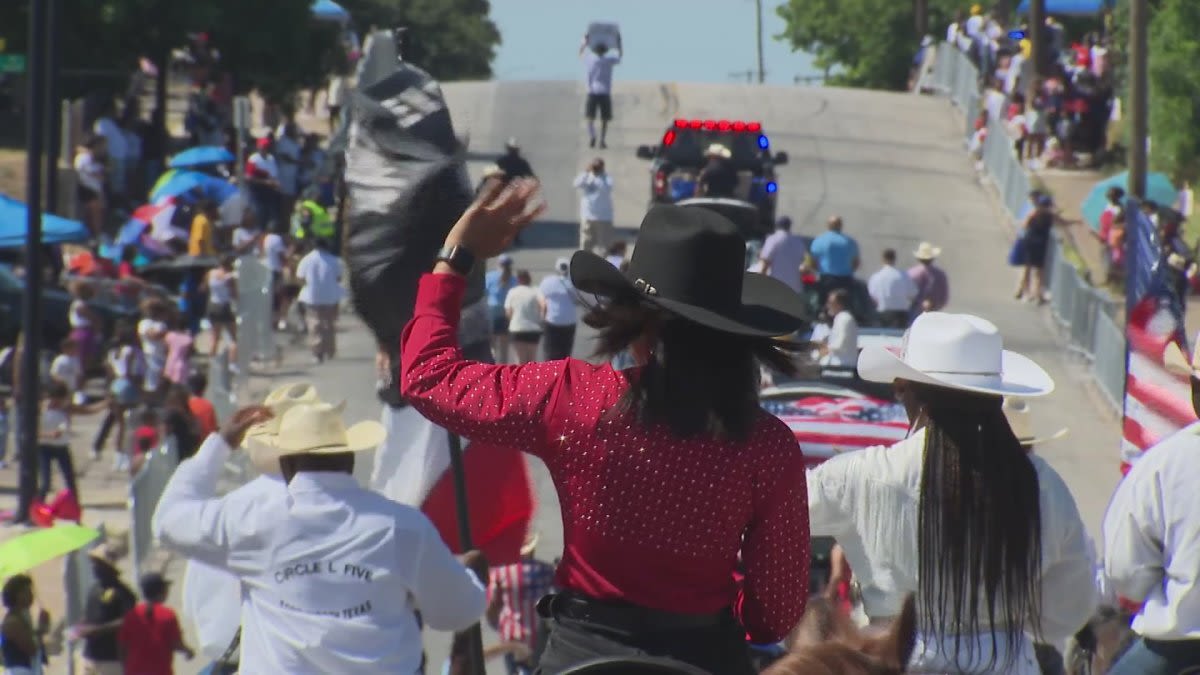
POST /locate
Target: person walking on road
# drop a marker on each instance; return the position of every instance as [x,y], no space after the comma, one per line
[893,292]
[599,62]
[523,308]
[559,300]
[1035,245]
[595,208]
[331,573]
[837,256]
[641,456]
[320,273]
[985,534]
[497,284]
[933,286]
[221,284]
[783,254]
[1152,546]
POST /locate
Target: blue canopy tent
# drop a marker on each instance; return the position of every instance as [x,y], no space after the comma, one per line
[1071,7]
[203,155]
[55,230]
[328,10]
[182,182]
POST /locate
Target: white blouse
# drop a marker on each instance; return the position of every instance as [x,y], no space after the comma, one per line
[869,500]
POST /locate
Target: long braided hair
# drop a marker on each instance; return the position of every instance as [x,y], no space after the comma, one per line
[979,523]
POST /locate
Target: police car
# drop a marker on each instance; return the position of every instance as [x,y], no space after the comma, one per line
[678,158]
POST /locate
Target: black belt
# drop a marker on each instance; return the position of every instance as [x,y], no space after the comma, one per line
[622,616]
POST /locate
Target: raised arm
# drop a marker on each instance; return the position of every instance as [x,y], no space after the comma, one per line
[775,549]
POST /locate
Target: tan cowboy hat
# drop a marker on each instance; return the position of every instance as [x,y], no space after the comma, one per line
[108,553]
[1176,362]
[927,251]
[318,429]
[262,456]
[718,150]
[1020,421]
[530,544]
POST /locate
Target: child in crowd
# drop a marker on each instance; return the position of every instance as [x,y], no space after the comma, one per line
[146,437]
[180,348]
[67,368]
[125,367]
[201,408]
[84,322]
[149,633]
[54,436]
[152,331]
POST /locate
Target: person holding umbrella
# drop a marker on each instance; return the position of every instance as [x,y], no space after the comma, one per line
[641,456]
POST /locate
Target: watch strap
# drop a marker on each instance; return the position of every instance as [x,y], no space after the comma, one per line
[458,258]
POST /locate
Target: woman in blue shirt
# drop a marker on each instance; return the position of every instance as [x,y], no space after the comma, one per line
[497,285]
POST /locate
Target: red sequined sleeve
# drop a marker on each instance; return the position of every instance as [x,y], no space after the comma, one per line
[505,405]
[775,548]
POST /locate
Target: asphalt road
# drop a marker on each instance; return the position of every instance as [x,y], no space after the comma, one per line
[892,165]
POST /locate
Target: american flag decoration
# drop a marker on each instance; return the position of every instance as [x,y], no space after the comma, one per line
[1158,401]
[827,426]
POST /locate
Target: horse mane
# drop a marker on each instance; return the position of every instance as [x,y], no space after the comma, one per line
[826,642]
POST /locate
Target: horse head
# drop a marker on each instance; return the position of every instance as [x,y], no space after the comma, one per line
[827,643]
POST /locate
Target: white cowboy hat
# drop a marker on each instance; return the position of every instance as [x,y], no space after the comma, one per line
[318,429]
[718,150]
[927,251]
[1020,421]
[530,544]
[958,351]
[262,455]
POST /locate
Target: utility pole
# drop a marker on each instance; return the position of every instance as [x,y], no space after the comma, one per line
[921,10]
[1139,97]
[53,106]
[759,23]
[29,371]
[1037,51]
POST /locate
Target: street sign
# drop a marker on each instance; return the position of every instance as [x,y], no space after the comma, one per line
[12,63]
[241,113]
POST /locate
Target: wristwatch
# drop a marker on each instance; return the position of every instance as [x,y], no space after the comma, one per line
[458,258]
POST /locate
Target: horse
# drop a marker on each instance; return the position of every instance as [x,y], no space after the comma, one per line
[826,642]
[1101,642]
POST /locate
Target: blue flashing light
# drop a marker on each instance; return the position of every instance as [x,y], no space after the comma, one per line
[772,187]
[763,142]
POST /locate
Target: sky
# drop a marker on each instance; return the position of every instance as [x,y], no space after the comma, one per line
[671,40]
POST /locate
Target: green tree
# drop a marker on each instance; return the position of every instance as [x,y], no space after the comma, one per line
[1174,34]
[452,39]
[866,43]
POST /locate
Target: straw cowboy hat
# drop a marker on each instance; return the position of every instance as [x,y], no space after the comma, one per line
[691,261]
[957,351]
[718,150]
[318,429]
[279,401]
[927,251]
[108,552]
[530,544]
[1020,421]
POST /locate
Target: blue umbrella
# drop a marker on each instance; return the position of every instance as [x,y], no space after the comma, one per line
[55,230]
[1158,189]
[203,155]
[183,182]
[328,10]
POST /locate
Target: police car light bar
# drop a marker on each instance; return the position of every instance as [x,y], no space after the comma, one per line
[719,125]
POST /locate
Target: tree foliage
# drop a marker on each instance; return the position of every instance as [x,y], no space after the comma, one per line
[274,46]
[866,43]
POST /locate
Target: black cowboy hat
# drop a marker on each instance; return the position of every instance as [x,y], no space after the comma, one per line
[690,261]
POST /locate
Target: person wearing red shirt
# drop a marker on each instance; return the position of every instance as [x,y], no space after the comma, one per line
[202,409]
[150,634]
[665,472]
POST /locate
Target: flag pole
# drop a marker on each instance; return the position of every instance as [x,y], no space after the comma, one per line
[474,634]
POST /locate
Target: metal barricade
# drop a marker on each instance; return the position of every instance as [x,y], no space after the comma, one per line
[77,580]
[221,391]
[1108,363]
[256,334]
[144,492]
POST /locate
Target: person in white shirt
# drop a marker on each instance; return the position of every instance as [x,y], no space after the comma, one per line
[67,369]
[91,174]
[320,273]
[893,292]
[994,553]
[522,307]
[1152,548]
[558,303]
[274,252]
[331,573]
[152,331]
[599,62]
[841,345]
[783,254]
[595,208]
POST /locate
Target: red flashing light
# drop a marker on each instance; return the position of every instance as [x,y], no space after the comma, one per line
[660,183]
[669,138]
[681,124]
[710,125]
[736,126]
[739,127]
[754,127]
[724,125]
[695,124]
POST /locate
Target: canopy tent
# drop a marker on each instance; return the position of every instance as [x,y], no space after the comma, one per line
[328,10]
[1071,7]
[182,183]
[55,230]
[1159,189]
[203,155]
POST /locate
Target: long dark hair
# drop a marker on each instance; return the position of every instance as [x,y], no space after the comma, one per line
[699,381]
[979,528]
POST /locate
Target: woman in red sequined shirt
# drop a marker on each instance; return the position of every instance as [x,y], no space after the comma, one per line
[665,472]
